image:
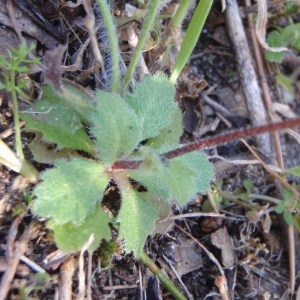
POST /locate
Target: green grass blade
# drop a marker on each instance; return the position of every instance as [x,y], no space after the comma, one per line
[191,37]
[151,15]
[168,284]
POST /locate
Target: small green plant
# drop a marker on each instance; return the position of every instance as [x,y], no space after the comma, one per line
[129,136]
[17,63]
[289,205]
[289,37]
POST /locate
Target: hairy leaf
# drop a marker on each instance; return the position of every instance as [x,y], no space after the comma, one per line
[70,191]
[178,179]
[71,237]
[150,174]
[203,170]
[137,218]
[153,102]
[169,136]
[115,126]
[72,98]
[58,125]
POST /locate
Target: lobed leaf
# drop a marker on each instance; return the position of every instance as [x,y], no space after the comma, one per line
[58,125]
[70,191]
[72,98]
[202,168]
[71,237]
[178,179]
[153,102]
[115,126]
[150,174]
[290,35]
[137,217]
[169,136]
[274,39]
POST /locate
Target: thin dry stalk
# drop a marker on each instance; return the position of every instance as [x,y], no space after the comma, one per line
[65,279]
[220,282]
[89,276]
[249,81]
[184,288]
[264,86]
[211,256]
[15,251]
[81,273]
[261,26]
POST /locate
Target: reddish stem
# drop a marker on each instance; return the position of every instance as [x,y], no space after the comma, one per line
[213,141]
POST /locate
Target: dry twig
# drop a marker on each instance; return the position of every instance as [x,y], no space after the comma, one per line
[249,81]
[14,251]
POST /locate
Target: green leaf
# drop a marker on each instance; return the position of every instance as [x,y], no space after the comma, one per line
[178,179]
[279,208]
[287,195]
[137,217]
[248,185]
[153,102]
[169,136]
[72,98]
[203,170]
[290,34]
[243,196]
[297,223]
[116,127]
[293,171]
[285,82]
[58,125]
[151,174]
[70,191]
[288,217]
[71,237]
[274,39]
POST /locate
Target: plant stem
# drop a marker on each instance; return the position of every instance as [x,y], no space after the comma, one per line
[215,140]
[235,198]
[113,43]
[265,198]
[168,284]
[151,14]
[14,97]
[27,170]
[191,37]
[180,14]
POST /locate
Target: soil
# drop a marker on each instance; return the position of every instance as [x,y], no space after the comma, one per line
[250,250]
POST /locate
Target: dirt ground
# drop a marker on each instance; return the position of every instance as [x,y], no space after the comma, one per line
[243,253]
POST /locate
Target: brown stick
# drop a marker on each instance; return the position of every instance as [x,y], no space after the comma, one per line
[14,257]
[256,109]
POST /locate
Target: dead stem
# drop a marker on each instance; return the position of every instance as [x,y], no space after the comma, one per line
[214,141]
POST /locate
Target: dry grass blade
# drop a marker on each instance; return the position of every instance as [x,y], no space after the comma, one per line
[261,25]
[14,253]
[66,274]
